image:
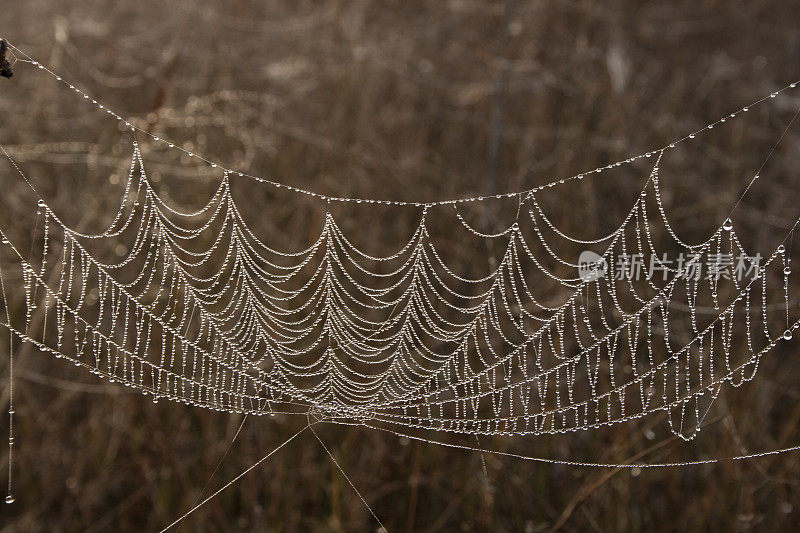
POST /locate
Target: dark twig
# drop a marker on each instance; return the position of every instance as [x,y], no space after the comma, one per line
[5,66]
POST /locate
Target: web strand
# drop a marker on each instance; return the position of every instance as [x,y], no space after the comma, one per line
[129,123]
[9,493]
[347,478]
[234,480]
[219,463]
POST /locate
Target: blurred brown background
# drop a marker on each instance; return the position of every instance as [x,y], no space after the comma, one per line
[411,101]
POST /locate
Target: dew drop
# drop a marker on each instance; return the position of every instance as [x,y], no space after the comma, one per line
[728,225]
[10,499]
[787,270]
[787,335]
[781,249]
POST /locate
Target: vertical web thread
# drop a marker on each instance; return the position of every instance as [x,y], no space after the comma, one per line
[10,493]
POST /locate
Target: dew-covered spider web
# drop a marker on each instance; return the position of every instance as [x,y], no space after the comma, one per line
[198,310]
[562,335]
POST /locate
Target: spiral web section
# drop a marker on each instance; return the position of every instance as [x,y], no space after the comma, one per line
[193,307]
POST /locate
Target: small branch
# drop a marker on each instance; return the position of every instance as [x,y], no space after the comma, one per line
[5,66]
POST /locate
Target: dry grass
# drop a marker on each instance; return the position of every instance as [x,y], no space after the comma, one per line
[401,100]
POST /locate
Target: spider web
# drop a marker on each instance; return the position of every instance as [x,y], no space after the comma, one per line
[194,307]
[198,310]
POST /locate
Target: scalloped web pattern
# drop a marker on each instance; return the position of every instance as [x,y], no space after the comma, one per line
[193,307]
